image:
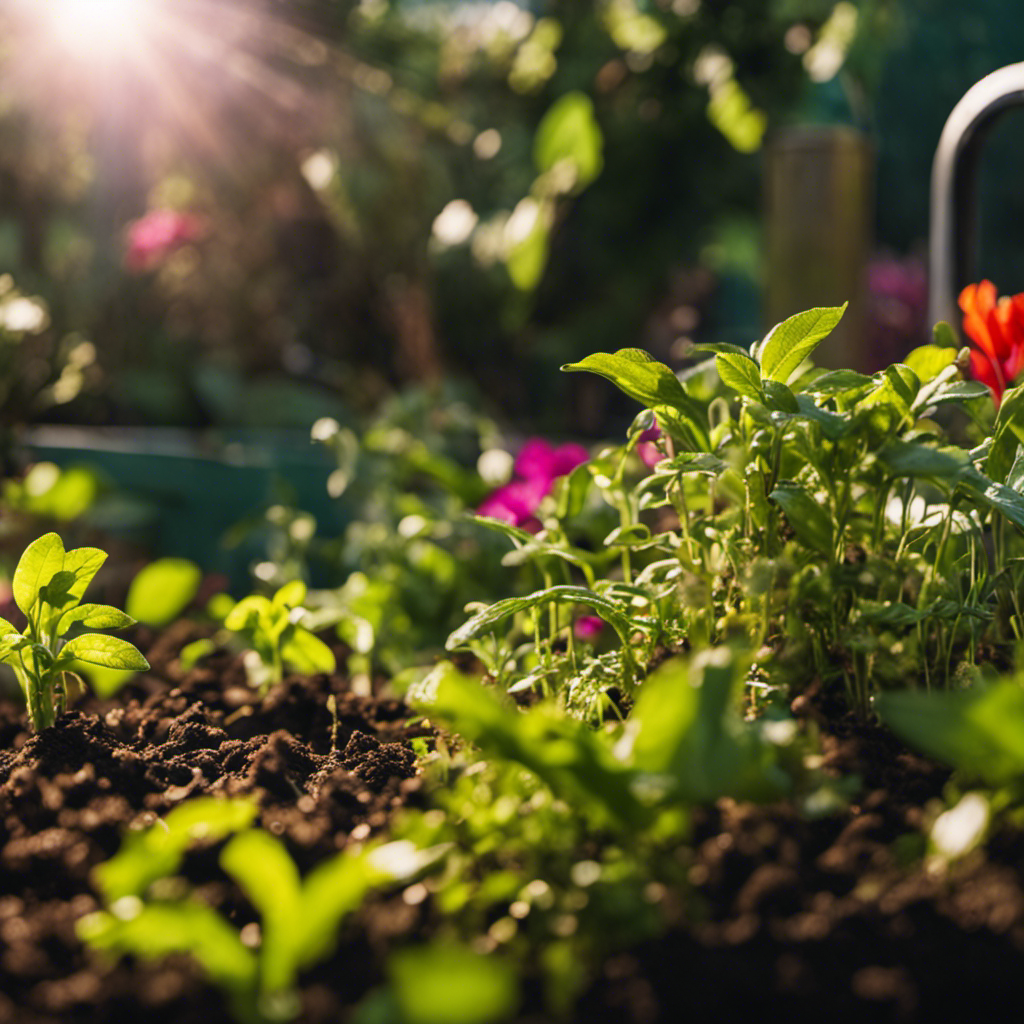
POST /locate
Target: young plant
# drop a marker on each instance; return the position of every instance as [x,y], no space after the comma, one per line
[299,917]
[48,587]
[272,629]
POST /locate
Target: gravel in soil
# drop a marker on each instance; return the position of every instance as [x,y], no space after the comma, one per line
[813,919]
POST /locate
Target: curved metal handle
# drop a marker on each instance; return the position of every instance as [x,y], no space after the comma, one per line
[952,246]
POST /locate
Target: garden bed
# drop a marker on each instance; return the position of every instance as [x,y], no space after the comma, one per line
[829,916]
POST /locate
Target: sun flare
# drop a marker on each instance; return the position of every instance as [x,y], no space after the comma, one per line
[94,29]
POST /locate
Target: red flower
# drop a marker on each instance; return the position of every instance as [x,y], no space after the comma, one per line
[997,328]
[155,235]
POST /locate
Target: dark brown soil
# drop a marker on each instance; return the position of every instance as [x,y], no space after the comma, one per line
[68,794]
[832,919]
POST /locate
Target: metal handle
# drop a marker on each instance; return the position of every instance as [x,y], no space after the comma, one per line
[953,243]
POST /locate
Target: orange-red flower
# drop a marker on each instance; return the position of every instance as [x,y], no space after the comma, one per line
[996,326]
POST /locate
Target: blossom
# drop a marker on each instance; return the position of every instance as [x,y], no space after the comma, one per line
[650,454]
[588,628]
[154,236]
[539,460]
[997,329]
[536,468]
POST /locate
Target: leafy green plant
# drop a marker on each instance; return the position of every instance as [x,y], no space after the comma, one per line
[48,587]
[272,631]
[148,916]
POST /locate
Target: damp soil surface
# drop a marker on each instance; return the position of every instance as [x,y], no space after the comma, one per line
[834,918]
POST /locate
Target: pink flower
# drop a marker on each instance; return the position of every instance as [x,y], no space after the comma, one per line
[515,503]
[153,237]
[537,467]
[539,460]
[588,628]
[650,454]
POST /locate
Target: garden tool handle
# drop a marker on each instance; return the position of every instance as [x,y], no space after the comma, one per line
[953,241]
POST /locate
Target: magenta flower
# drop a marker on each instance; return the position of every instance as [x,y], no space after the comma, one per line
[539,460]
[515,503]
[650,454]
[588,628]
[537,467]
[154,236]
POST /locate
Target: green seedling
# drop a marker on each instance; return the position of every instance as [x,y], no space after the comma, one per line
[48,587]
[147,916]
[272,629]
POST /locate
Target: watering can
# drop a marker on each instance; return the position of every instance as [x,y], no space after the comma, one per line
[953,243]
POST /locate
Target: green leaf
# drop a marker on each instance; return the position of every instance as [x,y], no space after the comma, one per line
[792,341]
[306,653]
[1007,433]
[838,382]
[159,929]
[722,347]
[928,361]
[686,725]
[39,563]
[291,595]
[569,133]
[652,384]
[979,733]
[104,682]
[84,563]
[910,459]
[484,621]
[250,612]
[833,425]
[958,392]
[447,984]
[94,616]
[156,852]
[779,398]
[261,865]
[740,373]
[944,336]
[6,628]
[526,260]
[108,651]
[513,533]
[162,591]
[809,520]
[571,492]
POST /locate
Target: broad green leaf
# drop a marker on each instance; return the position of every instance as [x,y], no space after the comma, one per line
[1015,478]
[571,492]
[6,627]
[910,459]
[94,616]
[526,260]
[159,929]
[959,391]
[686,725]
[897,386]
[995,496]
[446,984]
[928,361]
[291,595]
[569,133]
[84,563]
[39,563]
[108,651]
[791,342]
[162,590]
[838,382]
[566,754]
[11,643]
[722,347]
[833,425]
[306,653]
[486,620]
[779,398]
[981,733]
[688,429]
[261,865]
[157,851]
[809,520]
[248,612]
[944,336]
[692,462]
[740,373]
[1007,433]
[653,384]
